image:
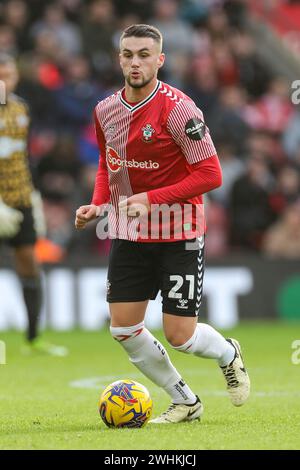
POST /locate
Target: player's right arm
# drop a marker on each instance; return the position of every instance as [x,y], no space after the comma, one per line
[101,195]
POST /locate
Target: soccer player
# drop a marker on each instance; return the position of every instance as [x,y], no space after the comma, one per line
[18,202]
[156,154]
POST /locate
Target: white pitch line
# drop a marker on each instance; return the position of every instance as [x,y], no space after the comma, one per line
[98,383]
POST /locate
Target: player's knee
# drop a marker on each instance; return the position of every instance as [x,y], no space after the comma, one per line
[124,333]
[26,263]
[177,338]
[117,332]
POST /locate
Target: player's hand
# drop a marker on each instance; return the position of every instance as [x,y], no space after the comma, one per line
[85,214]
[136,205]
[10,220]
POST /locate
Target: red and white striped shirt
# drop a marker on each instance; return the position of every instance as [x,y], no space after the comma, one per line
[160,146]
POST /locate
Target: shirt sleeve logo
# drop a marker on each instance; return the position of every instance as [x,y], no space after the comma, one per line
[148,131]
[195,129]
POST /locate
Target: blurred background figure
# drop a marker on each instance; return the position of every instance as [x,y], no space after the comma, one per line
[250,210]
[98,26]
[55,23]
[21,209]
[282,240]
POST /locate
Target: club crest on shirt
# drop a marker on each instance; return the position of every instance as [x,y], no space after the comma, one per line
[148,132]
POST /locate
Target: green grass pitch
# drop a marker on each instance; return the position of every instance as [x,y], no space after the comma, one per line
[51,403]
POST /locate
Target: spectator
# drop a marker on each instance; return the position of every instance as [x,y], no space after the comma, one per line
[40,99]
[253,75]
[8,40]
[203,87]
[228,122]
[58,171]
[47,46]
[236,11]
[273,110]
[232,169]
[58,174]
[217,24]
[194,12]
[16,15]
[54,22]
[179,39]
[282,240]
[142,8]
[77,97]
[98,27]
[216,244]
[287,188]
[291,138]
[225,64]
[250,210]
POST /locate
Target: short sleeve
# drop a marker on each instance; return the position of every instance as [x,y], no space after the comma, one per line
[186,125]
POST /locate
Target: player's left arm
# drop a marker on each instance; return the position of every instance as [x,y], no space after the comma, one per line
[186,125]
[206,176]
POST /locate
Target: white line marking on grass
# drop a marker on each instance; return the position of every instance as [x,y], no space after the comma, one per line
[98,383]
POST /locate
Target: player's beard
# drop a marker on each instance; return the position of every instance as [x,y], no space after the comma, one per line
[141,84]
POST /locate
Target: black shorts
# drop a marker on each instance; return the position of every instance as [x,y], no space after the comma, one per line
[137,271]
[27,234]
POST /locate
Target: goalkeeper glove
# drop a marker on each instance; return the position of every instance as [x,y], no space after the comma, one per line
[10,220]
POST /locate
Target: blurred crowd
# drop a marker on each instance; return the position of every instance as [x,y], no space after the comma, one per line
[67,52]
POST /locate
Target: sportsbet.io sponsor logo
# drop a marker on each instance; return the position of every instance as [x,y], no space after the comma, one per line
[115,163]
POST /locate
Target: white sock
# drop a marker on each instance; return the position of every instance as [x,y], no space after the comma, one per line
[207,342]
[150,357]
